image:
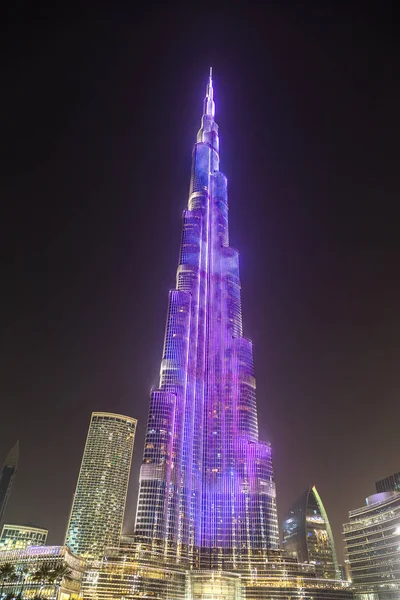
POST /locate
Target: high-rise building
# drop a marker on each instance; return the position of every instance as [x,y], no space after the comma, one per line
[389,484]
[99,502]
[207,486]
[372,540]
[206,524]
[7,477]
[307,532]
[18,537]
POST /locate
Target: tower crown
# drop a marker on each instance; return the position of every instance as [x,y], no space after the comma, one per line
[209,105]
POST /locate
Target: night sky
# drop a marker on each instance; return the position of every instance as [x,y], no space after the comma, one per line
[99,113]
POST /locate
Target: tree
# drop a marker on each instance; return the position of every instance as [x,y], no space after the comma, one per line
[6,572]
[43,575]
[58,573]
[22,575]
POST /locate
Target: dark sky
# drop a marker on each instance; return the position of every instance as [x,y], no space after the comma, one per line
[99,112]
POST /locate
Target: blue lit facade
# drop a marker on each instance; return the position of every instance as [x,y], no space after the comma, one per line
[207,487]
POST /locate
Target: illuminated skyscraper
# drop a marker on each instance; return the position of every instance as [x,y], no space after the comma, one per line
[307,532]
[99,502]
[206,484]
[7,477]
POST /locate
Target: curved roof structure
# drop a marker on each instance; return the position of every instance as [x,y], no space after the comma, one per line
[307,532]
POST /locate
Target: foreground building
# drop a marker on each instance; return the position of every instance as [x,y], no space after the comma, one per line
[19,537]
[7,477]
[27,563]
[99,502]
[138,570]
[372,539]
[308,534]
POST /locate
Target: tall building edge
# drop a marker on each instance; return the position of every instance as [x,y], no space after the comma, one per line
[7,477]
[329,532]
[77,481]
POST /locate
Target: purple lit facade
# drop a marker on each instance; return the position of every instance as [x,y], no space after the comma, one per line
[207,488]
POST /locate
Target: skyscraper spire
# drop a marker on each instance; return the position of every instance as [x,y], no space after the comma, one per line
[209,106]
[206,481]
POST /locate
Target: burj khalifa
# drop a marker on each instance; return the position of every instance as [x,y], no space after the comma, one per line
[207,491]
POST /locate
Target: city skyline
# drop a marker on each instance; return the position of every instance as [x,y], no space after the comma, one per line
[312,127]
[206,522]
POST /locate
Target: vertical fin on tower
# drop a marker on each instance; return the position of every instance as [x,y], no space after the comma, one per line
[209,106]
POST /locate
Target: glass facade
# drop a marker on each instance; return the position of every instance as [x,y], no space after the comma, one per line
[206,483]
[372,539]
[207,585]
[137,570]
[389,484]
[99,502]
[7,477]
[18,537]
[31,560]
[308,534]
[131,572]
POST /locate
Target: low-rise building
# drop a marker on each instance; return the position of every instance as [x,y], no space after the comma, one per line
[19,537]
[35,573]
[372,539]
[139,570]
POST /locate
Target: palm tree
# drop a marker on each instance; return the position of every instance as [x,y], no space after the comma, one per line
[6,571]
[12,579]
[43,576]
[58,573]
[23,575]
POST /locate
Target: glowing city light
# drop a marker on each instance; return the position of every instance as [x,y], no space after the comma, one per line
[206,479]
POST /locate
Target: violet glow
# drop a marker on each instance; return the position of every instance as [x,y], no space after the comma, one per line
[206,480]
